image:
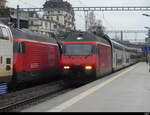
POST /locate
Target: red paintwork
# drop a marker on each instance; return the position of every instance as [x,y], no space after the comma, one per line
[104,58]
[99,61]
[37,56]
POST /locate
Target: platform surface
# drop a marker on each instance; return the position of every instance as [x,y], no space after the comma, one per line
[125,91]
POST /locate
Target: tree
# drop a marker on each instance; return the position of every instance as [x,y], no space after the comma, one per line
[91,20]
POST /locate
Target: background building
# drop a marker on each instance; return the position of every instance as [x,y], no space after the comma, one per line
[57,17]
[9,17]
[61,12]
[3,3]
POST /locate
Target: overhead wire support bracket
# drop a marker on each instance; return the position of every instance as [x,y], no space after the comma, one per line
[114,8]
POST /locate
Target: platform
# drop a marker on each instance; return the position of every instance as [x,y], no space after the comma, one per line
[125,91]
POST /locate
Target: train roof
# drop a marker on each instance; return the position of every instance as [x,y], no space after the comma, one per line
[117,45]
[27,34]
[90,36]
[86,36]
[114,43]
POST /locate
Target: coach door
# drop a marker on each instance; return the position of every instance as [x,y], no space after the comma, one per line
[6,52]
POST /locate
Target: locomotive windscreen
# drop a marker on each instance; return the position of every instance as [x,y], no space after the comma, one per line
[78,49]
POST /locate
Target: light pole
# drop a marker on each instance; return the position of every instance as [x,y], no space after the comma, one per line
[147,39]
[147,15]
[18,18]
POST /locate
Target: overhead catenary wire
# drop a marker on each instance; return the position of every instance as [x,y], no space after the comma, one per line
[107,23]
[79,15]
[82,3]
[107,20]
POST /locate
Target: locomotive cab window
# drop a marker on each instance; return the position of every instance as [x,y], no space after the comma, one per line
[19,47]
[1,33]
[4,34]
[78,49]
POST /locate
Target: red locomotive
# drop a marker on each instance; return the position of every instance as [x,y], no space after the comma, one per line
[88,56]
[36,57]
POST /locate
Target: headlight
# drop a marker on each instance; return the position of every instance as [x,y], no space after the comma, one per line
[88,67]
[66,67]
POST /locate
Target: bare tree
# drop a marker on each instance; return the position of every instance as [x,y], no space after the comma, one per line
[96,26]
[91,19]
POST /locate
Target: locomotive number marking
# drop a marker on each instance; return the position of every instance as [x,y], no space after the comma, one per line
[35,65]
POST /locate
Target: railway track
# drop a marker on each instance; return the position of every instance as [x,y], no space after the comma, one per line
[17,101]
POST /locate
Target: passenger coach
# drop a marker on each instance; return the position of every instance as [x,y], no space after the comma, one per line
[6,54]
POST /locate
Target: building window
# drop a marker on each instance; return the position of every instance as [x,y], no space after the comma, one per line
[31,23]
[34,15]
[45,17]
[57,18]
[55,26]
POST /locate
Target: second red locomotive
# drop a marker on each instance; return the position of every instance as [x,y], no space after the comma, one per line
[36,57]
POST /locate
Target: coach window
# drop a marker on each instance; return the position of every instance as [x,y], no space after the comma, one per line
[5,33]
[19,47]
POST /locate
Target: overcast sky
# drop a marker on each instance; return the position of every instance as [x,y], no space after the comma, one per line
[111,20]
